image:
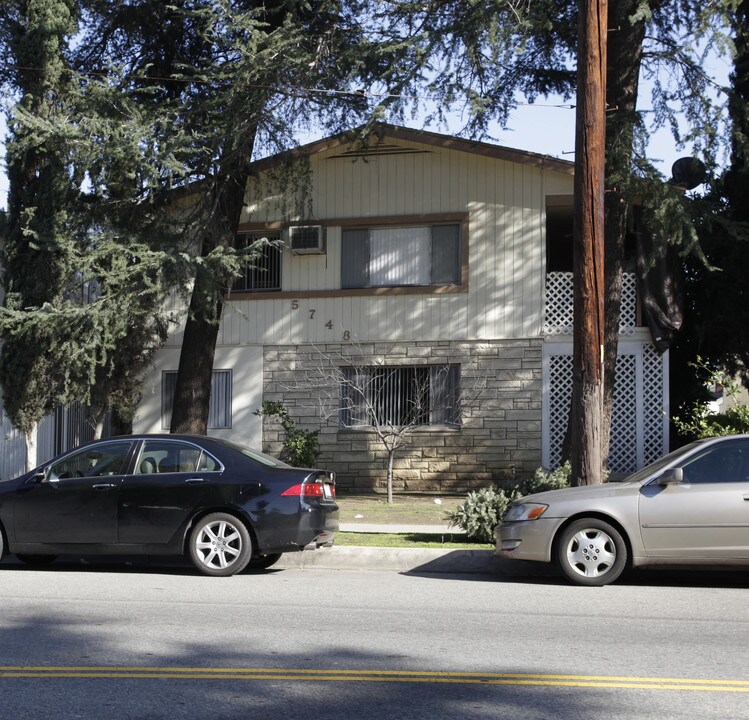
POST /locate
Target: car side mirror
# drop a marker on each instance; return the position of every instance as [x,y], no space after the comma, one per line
[38,476]
[43,475]
[671,476]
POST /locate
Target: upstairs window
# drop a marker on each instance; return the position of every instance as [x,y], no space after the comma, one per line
[401,395]
[401,256]
[262,273]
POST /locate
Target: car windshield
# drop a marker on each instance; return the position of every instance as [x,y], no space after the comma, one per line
[661,463]
[256,455]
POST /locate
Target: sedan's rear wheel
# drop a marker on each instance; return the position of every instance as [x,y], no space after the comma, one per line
[591,552]
[220,545]
[261,562]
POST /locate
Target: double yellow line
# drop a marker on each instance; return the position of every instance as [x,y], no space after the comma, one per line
[347,675]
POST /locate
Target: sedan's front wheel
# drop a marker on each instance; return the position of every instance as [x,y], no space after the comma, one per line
[220,545]
[591,552]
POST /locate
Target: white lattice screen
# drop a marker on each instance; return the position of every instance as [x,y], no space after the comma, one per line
[638,433]
[559,301]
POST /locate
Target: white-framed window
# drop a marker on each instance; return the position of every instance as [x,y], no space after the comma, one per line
[262,273]
[419,395]
[219,414]
[401,256]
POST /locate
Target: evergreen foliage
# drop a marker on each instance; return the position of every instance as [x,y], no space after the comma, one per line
[225,80]
[84,275]
[541,481]
[716,331]
[128,162]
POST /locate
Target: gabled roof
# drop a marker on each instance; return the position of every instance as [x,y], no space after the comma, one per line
[350,144]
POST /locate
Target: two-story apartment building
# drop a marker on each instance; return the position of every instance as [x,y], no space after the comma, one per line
[440,257]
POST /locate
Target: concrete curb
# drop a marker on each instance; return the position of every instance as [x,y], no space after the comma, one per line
[426,560]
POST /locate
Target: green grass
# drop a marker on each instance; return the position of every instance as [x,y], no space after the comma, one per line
[408,540]
[405,510]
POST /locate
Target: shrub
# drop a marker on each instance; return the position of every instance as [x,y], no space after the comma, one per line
[480,513]
[541,481]
[301,448]
[483,509]
[698,421]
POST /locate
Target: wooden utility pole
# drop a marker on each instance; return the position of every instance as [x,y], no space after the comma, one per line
[586,416]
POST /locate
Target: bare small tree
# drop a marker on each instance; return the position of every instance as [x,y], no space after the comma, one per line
[387,399]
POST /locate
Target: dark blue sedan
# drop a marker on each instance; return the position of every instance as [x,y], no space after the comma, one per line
[227,506]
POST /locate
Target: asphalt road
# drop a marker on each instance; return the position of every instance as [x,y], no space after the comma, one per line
[115,641]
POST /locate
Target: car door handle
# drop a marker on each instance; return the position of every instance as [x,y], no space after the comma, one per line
[746,497]
[194,481]
[103,486]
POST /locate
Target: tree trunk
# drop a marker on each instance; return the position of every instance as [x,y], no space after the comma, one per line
[192,393]
[391,457]
[30,440]
[624,57]
[588,339]
[121,425]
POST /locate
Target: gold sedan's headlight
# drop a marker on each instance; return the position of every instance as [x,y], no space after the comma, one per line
[524,511]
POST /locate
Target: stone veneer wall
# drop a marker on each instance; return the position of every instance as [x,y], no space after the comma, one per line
[500,436]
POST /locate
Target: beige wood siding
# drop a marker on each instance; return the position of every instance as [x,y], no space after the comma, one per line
[505,203]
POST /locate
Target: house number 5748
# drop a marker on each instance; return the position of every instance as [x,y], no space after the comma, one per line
[312,311]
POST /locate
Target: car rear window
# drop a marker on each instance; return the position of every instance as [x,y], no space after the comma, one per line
[256,455]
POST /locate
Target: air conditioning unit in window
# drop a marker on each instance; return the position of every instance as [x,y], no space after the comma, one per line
[307,239]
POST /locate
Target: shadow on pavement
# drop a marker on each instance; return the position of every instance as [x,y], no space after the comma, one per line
[482,566]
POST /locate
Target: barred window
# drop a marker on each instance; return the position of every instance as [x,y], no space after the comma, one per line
[400,395]
[262,273]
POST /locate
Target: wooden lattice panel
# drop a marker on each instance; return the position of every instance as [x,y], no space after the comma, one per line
[623,443]
[637,434]
[653,409]
[559,301]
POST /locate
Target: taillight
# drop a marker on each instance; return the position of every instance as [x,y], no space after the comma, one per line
[293,491]
[316,488]
[306,489]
